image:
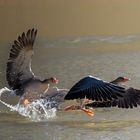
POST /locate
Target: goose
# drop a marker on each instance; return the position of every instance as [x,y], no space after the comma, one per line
[101,91]
[19,74]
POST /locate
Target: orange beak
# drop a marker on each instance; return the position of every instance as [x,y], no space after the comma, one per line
[55,81]
[126,79]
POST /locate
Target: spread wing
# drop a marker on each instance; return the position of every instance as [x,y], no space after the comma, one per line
[95,89]
[19,62]
[131,99]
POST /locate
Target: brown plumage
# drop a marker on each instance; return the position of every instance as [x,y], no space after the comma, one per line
[19,73]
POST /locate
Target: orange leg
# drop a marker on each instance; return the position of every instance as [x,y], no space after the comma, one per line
[71,107]
[88,112]
[26,102]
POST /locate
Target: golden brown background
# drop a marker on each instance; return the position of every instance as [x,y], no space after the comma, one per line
[64,18]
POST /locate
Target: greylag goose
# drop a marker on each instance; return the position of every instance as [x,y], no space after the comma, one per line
[19,74]
[97,90]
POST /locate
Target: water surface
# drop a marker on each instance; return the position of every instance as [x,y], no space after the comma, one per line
[69,60]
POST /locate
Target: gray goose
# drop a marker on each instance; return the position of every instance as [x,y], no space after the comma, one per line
[19,74]
[100,91]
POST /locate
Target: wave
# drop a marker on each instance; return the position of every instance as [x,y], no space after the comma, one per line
[114,39]
[108,39]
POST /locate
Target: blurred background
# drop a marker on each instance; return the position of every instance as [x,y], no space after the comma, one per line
[65,18]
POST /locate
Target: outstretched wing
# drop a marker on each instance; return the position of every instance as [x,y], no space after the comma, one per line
[95,89]
[131,99]
[19,62]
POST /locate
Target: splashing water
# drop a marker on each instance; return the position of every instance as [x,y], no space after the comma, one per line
[38,110]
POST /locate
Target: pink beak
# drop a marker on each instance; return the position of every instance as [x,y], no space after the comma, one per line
[126,79]
[56,81]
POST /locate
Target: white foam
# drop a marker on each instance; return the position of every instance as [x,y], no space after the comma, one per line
[36,111]
[5,90]
[39,110]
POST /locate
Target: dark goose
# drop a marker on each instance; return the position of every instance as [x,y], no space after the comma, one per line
[19,74]
[103,93]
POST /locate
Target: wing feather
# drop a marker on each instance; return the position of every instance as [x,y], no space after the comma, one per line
[130,99]
[19,62]
[93,87]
